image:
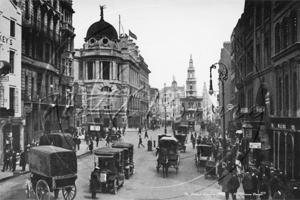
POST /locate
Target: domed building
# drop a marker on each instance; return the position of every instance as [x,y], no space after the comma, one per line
[111,79]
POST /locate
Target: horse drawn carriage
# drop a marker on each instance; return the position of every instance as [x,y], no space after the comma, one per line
[110,161]
[52,169]
[128,157]
[204,154]
[168,155]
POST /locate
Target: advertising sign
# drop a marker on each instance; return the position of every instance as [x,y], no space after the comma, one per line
[255,145]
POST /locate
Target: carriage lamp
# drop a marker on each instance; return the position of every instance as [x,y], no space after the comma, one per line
[223,75]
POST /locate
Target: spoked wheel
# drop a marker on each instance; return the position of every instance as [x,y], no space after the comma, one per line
[56,191]
[115,189]
[69,193]
[42,190]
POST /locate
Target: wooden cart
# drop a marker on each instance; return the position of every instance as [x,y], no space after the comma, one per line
[52,169]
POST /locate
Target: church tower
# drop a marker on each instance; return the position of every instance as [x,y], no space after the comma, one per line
[191,81]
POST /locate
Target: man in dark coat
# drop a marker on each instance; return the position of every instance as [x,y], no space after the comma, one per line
[97,140]
[95,181]
[140,141]
[6,160]
[13,160]
[23,160]
[91,146]
[78,143]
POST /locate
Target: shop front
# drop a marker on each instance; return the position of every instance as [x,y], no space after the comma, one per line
[285,139]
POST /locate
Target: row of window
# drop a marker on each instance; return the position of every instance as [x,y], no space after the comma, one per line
[105,71]
[287,100]
[13,98]
[286,32]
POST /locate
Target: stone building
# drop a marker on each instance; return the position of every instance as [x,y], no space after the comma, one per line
[112,78]
[191,102]
[265,57]
[47,74]
[11,121]
[169,103]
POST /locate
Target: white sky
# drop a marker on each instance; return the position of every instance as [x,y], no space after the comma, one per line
[168,31]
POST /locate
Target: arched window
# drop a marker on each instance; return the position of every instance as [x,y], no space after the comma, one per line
[285,33]
[293,27]
[277,38]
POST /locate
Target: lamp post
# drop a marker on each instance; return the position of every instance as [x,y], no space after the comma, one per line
[165,104]
[223,75]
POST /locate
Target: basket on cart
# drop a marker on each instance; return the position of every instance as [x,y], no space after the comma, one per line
[210,169]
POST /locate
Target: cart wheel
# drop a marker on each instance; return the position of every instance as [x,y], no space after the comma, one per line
[69,193]
[56,191]
[42,190]
[115,189]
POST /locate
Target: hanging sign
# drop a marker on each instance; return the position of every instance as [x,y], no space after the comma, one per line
[255,145]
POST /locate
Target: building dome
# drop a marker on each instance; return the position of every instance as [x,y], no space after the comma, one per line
[101,29]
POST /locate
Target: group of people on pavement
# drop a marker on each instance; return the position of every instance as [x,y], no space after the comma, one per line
[259,181]
[10,159]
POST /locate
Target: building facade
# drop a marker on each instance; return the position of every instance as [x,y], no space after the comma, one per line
[112,78]
[11,121]
[265,52]
[47,74]
[225,59]
[169,104]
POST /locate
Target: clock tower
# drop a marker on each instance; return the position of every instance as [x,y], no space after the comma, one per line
[191,81]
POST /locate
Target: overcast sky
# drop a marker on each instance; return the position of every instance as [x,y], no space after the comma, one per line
[168,32]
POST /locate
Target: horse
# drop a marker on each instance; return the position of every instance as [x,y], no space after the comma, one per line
[163,161]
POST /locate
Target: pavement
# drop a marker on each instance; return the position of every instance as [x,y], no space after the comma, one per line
[6,175]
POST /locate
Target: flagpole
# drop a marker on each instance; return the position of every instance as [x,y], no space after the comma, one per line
[119,25]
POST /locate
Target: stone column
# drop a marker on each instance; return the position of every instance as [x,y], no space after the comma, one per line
[101,70]
[97,69]
[278,150]
[110,71]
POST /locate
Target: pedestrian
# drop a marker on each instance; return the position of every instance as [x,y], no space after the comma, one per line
[255,183]
[140,141]
[107,139]
[193,142]
[23,160]
[224,182]
[264,188]
[274,183]
[97,140]
[247,185]
[146,134]
[140,130]
[78,143]
[75,138]
[13,160]
[91,145]
[6,159]
[95,182]
[123,131]
[234,184]
[279,194]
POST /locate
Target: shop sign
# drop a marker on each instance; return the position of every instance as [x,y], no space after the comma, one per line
[255,145]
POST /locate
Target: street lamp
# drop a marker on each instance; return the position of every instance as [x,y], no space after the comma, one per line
[165,104]
[223,75]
